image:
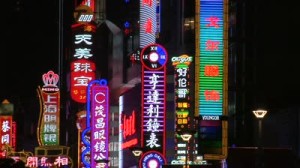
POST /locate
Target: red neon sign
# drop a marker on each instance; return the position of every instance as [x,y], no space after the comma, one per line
[128,125]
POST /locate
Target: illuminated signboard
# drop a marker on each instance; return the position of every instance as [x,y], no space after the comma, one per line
[14,136]
[49,119]
[211,57]
[130,128]
[6,131]
[147,22]
[95,136]
[99,124]
[152,159]
[82,65]
[183,98]
[84,14]
[59,161]
[154,58]
[212,74]
[210,136]
[182,90]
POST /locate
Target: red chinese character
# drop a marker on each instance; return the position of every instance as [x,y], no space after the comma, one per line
[212,45]
[213,22]
[212,95]
[211,70]
[148,26]
[147,2]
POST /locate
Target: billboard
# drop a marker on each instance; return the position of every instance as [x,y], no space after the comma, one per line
[183,84]
[148,21]
[154,59]
[95,136]
[49,118]
[211,78]
[6,124]
[130,125]
[82,65]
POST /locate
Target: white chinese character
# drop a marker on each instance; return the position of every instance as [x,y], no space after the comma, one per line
[99,134]
[154,80]
[5,139]
[49,128]
[79,67]
[182,82]
[83,53]
[49,118]
[182,93]
[152,125]
[153,111]
[50,108]
[83,38]
[182,72]
[99,111]
[82,81]
[152,142]
[153,97]
[5,126]
[100,123]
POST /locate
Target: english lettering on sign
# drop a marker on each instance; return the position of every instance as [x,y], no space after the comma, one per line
[210,117]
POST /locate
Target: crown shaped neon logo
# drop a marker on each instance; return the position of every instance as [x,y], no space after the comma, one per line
[50,79]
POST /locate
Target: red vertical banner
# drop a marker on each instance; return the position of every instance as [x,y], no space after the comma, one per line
[14,135]
[6,131]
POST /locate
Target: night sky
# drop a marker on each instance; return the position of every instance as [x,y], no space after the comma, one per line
[29,48]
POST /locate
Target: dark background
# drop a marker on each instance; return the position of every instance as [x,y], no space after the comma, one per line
[29,48]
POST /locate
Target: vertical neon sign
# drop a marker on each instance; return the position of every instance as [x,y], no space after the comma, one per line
[211,57]
[82,67]
[182,98]
[99,123]
[154,59]
[212,75]
[147,22]
[95,137]
[6,131]
[49,119]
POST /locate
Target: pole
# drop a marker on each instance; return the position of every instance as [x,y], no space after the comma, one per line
[186,154]
[259,133]
[260,149]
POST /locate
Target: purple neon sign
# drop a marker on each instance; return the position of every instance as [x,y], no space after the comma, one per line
[99,123]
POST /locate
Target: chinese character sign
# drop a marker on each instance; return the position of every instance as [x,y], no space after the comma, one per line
[48,128]
[59,161]
[147,22]
[154,58]
[99,123]
[211,57]
[212,77]
[183,98]
[82,67]
[182,90]
[6,131]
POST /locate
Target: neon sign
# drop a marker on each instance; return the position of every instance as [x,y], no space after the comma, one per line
[154,58]
[34,161]
[82,67]
[99,127]
[212,74]
[6,130]
[147,22]
[48,129]
[95,137]
[211,57]
[182,95]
